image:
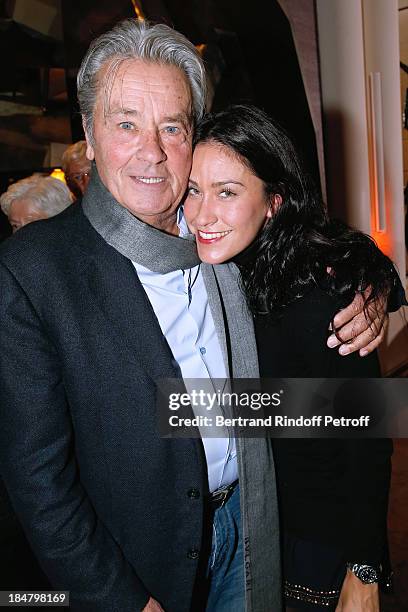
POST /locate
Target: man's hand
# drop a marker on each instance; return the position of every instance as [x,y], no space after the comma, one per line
[355,330]
[152,606]
[358,597]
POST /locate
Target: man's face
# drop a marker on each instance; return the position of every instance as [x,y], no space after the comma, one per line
[77,175]
[142,140]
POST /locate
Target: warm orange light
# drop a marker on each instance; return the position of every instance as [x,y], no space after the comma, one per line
[384,241]
[138,9]
[384,238]
[58,174]
[201,48]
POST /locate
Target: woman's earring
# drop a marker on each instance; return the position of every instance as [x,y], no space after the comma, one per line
[276,201]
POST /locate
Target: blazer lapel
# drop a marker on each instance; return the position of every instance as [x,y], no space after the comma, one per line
[116,289]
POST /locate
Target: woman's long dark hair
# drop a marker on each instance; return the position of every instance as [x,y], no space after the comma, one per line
[294,249]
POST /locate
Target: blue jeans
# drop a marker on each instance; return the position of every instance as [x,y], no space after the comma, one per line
[226,563]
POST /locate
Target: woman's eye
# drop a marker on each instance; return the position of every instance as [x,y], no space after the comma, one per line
[126,125]
[226,193]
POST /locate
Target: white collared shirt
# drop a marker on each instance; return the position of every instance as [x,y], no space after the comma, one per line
[180,302]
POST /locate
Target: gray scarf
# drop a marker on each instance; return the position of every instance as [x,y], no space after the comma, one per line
[163,253]
[138,241]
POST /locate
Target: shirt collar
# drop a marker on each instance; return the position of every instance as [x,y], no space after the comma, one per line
[181,223]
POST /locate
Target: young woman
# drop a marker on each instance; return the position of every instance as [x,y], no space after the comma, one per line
[250,200]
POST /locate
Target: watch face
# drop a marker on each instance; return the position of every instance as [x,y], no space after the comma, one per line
[367,574]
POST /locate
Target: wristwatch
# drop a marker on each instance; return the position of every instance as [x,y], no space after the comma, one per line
[366,573]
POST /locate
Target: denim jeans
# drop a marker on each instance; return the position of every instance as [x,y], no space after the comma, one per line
[226,563]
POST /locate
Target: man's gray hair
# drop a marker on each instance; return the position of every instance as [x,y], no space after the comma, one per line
[47,194]
[73,153]
[135,39]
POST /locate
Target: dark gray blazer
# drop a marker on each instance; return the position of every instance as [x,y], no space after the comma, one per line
[105,502]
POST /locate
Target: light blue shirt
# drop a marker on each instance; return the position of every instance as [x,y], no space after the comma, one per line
[180,302]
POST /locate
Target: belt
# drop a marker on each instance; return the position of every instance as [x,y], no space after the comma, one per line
[219,498]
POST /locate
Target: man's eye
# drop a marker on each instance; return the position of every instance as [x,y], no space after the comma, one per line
[172,129]
[192,191]
[126,125]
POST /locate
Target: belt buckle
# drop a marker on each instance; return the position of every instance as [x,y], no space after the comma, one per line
[224,496]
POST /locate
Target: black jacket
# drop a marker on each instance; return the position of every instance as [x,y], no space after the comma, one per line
[335,490]
[105,502]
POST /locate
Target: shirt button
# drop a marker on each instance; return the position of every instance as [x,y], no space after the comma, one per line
[193,493]
[203,350]
[193,553]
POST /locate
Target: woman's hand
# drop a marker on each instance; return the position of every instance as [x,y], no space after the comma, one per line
[358,597]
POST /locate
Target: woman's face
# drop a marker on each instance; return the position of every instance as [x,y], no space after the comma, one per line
[226,204]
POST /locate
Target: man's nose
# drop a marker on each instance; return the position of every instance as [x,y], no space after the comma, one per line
[150,148]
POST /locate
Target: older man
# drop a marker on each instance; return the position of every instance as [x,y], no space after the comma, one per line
[77,168]
[100,303]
